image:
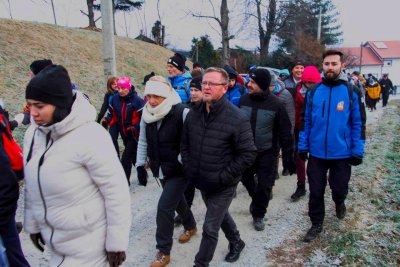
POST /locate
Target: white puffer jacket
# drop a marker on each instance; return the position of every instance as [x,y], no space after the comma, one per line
[78,198]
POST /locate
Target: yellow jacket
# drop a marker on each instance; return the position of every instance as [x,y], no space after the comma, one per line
[374,91]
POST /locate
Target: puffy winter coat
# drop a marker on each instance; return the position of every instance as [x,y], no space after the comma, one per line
[181,84]
[234,94]
[334,125]
[291,86]
[76,193]
[374,91]
[287,99]
[217,147]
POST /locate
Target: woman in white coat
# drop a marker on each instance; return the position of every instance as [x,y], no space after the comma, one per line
[77,201]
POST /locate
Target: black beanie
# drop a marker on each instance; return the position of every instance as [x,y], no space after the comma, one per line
[196,82]
[177,60]
[38,65]
[262,77]
[51,86]
[297,62]
[231,72]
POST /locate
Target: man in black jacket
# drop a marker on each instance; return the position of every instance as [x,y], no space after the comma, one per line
[9,193]
[386,86]
[271,127]
[217,146]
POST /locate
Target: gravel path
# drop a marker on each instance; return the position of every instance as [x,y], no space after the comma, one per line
[285,221]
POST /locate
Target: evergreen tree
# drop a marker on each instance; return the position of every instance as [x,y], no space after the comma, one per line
[203,52]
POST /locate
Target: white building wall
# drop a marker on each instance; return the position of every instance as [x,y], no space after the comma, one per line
[393,71]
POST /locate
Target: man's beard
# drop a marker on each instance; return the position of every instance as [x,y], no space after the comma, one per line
[332,76]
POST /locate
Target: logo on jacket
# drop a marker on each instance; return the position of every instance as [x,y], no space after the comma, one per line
[340,106]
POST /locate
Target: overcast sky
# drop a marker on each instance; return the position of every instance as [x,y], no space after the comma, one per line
[361,20]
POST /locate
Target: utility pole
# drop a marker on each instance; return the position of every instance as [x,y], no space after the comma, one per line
[109,60]
[197,51]
[9,7]
[361,52]
[319,24]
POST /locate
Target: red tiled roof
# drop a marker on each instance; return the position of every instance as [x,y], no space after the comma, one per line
[352,56]
[386,49]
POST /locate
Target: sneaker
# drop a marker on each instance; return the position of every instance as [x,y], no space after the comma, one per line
[341,211]
[234,251]
[300,191]
[285,172]
[177,220]
[186,235]
[313,232]
[161,260]
[259,224]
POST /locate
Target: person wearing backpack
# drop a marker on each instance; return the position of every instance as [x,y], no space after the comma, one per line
[178,77]
[332,138]
[235,89]
[11,169]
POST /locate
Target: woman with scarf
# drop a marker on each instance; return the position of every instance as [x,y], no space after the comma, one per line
[77,201]
[160,135]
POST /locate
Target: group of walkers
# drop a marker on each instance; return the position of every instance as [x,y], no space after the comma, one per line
[209,129]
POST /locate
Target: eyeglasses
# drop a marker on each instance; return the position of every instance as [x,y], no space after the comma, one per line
[211,84]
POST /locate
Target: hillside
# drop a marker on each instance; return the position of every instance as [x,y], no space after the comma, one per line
[80,51]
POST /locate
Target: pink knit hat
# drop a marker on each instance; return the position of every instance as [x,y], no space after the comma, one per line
[311,74]
[124,82]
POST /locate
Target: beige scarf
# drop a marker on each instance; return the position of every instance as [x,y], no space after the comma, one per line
[151,115]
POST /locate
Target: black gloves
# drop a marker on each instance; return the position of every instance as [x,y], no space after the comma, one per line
[303,155]
[116,258]
[355,160]
[142,175]
[37,241]
[104,123]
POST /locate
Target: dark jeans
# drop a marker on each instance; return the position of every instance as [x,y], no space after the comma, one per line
[189,193]
[114,132]
[385,98]
[172,199]
[13,248]
[217,216]
[339,177]
[129,156]
[264,168]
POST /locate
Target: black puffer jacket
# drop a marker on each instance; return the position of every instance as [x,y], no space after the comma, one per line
[216,147]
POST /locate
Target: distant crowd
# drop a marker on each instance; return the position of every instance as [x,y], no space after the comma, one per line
[207,129]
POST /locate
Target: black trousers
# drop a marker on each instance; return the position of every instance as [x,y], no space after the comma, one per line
[172,199]
[385,98]
[128,157]
[189,193]
[12,245]
[339,177]
[260,192]
[114,132]
[217,216]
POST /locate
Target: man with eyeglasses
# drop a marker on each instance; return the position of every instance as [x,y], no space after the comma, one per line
[272,130]
[217,147]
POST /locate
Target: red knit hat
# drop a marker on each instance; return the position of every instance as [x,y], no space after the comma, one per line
[311,74]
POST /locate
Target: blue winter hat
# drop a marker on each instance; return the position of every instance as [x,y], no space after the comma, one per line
[284,72]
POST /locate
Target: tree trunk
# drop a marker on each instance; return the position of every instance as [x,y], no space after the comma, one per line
[113,14]
[92,23]
[261,32]
[225,31]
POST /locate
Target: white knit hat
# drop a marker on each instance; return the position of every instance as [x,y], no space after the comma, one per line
[157,88]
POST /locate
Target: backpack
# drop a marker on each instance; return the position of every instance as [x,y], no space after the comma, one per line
[11,147]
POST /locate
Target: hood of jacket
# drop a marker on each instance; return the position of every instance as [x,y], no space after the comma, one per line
[179,79]
[82,112]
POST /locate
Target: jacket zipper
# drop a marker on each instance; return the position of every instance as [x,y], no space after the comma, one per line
[323,109]
[123,117]
[327,122]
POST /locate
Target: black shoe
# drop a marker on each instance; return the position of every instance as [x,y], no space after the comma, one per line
[259,224]
[341,211]
[19,227]
[234,251]
[313,232]
[300,191]
[177,220]
[285,172]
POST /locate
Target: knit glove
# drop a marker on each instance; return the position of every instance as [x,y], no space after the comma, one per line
[355,160]
[303,155]
[142,175]
[116,258]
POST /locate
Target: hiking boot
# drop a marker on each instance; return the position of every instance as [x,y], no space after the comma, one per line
[300,191]
[285,172]
[186,235]
[234,251]
[161,260]
[313,232]
[177,220]
[341,211]
[259,224]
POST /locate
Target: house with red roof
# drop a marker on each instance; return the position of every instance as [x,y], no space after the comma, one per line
[375,57]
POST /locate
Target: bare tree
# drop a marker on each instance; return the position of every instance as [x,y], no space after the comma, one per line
[223,22]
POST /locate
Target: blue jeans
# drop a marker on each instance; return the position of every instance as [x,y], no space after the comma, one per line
[13,248]
[3,256]
[217,216]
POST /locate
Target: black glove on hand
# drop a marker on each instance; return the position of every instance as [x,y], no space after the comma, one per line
[37,241]
[142,175]
[104,123]
[116,258]
[355,160]
[303,156]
